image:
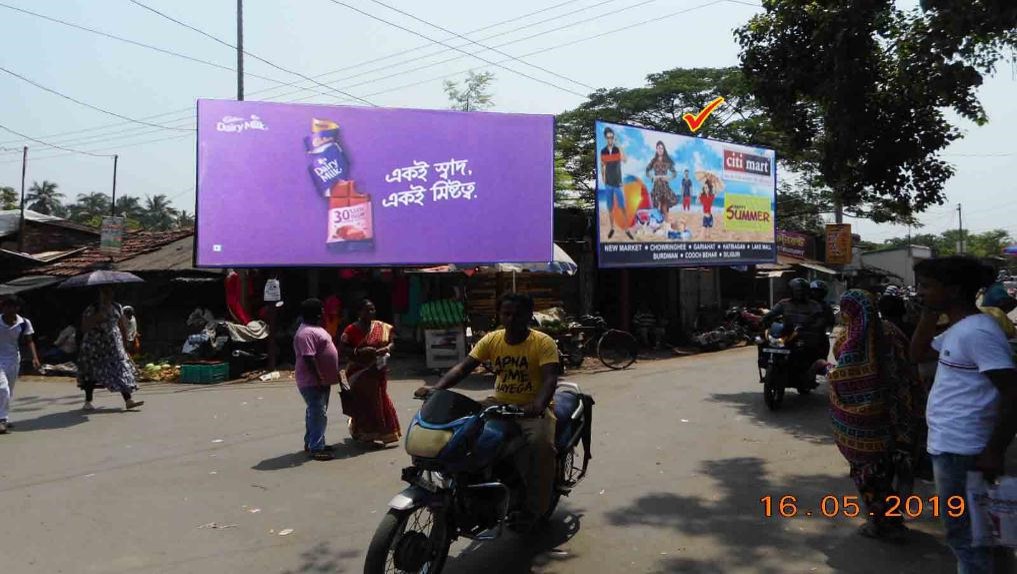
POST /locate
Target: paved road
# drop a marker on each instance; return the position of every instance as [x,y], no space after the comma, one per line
[683,451]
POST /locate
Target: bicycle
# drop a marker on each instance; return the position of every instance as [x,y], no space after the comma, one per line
[615,348]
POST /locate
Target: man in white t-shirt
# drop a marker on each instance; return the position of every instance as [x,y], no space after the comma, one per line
[14,330]
[972,408]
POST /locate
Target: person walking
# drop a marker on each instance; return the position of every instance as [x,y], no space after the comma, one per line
[316,371]
[972,407]
[872,410]
[102,357]
[15,330]
[132,338]
[367,343]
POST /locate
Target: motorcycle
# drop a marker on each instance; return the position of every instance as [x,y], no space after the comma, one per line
[463,482]
[783,362]
[749,321]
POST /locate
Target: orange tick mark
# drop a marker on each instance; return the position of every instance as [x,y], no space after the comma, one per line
[696,121]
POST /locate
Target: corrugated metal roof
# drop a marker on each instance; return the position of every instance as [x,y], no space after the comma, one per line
[10,218]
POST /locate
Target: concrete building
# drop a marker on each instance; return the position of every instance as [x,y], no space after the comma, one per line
[898,263]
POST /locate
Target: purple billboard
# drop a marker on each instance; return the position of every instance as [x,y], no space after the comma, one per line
[309,185]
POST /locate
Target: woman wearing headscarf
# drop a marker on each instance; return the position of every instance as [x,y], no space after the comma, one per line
[872,408]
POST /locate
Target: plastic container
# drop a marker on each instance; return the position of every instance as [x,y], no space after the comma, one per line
[204,373]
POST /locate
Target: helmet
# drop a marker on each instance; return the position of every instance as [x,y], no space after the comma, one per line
[798,286]
[819,288]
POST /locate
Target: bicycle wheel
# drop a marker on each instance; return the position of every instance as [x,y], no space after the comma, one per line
[617,349]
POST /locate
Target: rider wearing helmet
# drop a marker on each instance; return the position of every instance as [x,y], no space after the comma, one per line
[803,313]
[818,290]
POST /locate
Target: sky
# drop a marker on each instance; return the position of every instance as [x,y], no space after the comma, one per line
[567,49]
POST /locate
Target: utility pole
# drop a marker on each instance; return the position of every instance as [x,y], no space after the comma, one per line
[113,202]
[21,222]
[240,50]
[960,230]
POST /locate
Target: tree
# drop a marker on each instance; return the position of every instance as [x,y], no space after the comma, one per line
[859,88]
[90,209]
[800,209]
[474,93]
[8,198]
[985,244]
[658,106]
[158,215]
[185,220]
[44,198]
[130,207]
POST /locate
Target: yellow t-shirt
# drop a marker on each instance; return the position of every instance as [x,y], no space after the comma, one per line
[517,367]
[1004,322]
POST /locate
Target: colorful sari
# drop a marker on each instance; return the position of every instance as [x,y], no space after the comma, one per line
[373,417]
[871,404]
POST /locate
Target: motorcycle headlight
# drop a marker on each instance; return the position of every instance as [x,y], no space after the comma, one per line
[759,340]
[777,342]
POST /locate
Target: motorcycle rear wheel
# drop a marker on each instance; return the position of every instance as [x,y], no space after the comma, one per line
[399,545]
[773,391]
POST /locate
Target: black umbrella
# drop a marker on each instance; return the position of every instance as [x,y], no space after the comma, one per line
[101,277]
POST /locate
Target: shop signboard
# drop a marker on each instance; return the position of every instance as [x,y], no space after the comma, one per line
[838,244]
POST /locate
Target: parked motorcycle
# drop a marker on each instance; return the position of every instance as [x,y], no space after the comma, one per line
[463,481]
[784,361]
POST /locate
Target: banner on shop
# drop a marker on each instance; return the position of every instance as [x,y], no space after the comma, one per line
[305,185]
[794,244]
[838,244]
[667,199]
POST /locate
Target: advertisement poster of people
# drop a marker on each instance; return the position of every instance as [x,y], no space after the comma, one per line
[293,184]
[667,199]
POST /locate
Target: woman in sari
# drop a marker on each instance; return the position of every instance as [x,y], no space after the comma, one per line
[872,410]
[367,344]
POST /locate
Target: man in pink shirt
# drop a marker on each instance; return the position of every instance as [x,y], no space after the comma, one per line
[316,370]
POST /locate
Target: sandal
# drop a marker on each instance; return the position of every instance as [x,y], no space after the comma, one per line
[322,455]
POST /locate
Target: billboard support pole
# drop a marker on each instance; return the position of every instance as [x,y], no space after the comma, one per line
[240,50]
[113,200]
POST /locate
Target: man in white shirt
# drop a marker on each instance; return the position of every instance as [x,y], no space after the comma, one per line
[972,408]
[15,330]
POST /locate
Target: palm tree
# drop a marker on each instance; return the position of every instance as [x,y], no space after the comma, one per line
[185,220]
[8,198]
[90,208]
[44,198]
[159,215]
[130,207]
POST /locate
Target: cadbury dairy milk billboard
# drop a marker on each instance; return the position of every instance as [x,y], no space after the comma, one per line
[667,199]
[295,185]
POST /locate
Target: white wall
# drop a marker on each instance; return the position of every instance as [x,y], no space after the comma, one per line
[898,261]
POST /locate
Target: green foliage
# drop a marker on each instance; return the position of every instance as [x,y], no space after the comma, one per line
[8,198]
[158,214]
[859,88]
[44,198]
[90,209]
[985,244]
[473,94]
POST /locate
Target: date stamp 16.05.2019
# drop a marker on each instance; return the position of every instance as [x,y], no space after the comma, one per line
[830,506]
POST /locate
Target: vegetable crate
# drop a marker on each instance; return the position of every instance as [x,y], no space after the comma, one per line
[204,373]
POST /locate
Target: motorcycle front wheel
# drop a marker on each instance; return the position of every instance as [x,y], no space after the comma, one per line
[773,391]
[414,540]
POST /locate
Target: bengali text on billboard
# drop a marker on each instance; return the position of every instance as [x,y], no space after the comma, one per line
[666,199]
[314,185]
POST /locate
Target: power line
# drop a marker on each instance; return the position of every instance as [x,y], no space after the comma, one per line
[119,148]
[30,138]
[259,58]
[458,49]
[540,51]
[81,103]
[475,43]
[354,66]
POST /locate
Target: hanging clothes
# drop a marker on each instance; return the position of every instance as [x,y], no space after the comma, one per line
[234,300]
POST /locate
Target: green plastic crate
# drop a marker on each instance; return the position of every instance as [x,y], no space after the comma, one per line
[204,373]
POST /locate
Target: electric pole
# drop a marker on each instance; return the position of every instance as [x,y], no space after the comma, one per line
[21,222]
[960,230]
[240,50]
[113,202]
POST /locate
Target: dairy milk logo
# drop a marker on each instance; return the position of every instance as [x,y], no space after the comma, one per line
[234,124]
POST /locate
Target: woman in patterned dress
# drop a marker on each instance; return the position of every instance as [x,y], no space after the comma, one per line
[873,411]
[102,358]
[661,170]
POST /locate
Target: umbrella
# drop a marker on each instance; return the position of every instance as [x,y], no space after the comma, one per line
[1010,250]
[101,277]
[561,264]
[704,176]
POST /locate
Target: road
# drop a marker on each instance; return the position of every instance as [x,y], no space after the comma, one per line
[683,451]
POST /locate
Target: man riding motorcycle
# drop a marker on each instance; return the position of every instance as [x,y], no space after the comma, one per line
[525,363]
[809,319]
